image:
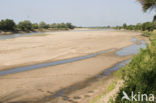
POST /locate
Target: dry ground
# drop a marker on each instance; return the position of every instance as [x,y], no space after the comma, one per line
[41,85]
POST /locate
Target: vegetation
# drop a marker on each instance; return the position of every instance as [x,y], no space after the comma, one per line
[140,74]
[25,25]
[7,25]
[147,26]
[10,25]
[148,4]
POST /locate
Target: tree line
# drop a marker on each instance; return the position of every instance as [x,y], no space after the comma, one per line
[147,26]
[26,25]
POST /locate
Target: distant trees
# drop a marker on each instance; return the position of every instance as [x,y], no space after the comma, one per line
[124,26]
[147,26]
[43,25]
[35,26]
[26,25]
[7,25]
[62,25]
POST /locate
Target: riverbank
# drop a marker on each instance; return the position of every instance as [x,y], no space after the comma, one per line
[42,84]
[33,31]
[59,45]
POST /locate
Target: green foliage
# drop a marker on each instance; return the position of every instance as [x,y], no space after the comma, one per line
[147,34]
[25,25]
[7,25]
[43,25]
[111,86]
[147,26]
[35,26]
[70,26]
[147,4]
[124,26]
[140,74]
[62,25]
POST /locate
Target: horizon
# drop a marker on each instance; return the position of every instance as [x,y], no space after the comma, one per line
[80,13]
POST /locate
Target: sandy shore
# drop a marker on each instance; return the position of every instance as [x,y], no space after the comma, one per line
[39,85]
[59,45]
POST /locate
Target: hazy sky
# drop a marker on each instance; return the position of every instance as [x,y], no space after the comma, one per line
[78,12]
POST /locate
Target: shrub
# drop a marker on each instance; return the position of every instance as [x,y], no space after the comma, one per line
[140,74]
[25,25]
[7,25]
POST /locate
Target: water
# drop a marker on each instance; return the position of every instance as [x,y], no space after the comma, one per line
[3,37]
[114,68]
[134,49]
[62,92]
[43,65]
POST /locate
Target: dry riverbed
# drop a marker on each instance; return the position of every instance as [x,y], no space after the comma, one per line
[41,85]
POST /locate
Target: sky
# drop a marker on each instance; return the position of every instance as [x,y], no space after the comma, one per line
[78,12]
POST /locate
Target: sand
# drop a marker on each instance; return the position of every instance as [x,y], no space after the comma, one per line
[59,45]
[38,85]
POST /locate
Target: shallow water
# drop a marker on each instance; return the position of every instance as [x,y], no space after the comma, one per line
[3,37]
[134,49]
[43,65]
[62,92]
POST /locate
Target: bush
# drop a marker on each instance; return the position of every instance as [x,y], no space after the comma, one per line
[140,74]
[25,25]
[43,25]
[147,34]
[35,26]
[7,25]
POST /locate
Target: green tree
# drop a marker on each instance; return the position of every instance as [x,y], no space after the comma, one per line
[139,26]
[147,4]
[7,25]
[43,25]
[148,26]
[35,26]
[124,26]
[70,26]
[25,25]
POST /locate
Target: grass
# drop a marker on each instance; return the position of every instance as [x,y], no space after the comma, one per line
[97,98]
[108,90]
[111,87]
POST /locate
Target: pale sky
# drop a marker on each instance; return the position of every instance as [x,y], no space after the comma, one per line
[78,12]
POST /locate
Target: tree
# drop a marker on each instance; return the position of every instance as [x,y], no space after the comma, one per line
[147,4]
[25,25]
[8,25]
[35,26]
[148,26]
[43,25]
[138,26]
[70,26]
[124,26]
